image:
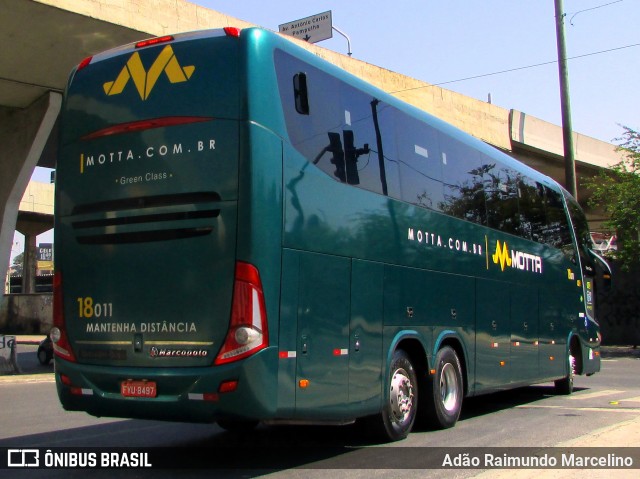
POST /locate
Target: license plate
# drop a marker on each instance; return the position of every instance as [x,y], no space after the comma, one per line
[138,389]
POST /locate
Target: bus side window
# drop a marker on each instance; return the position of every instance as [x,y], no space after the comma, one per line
[337,156]
[531,206]
[583,236]
[420,162]
[387,156]
[558,232]
[463,174]
[501,193]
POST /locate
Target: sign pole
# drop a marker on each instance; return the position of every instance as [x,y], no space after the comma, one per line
[345,36]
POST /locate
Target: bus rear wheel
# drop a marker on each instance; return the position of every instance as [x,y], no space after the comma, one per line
[444,391]
[401,404]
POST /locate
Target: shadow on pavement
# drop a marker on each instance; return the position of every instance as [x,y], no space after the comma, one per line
[620,352]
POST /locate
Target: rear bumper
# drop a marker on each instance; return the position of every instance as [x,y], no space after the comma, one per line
[183,394]
[591,360]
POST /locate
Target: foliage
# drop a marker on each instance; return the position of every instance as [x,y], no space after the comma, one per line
[617,191]
[18,260]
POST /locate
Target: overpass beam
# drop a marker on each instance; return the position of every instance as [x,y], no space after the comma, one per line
[23,136]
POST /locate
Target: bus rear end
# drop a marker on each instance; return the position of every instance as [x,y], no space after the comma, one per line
[154,316]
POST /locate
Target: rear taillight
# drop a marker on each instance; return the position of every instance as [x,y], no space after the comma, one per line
[154,41]
[232,31]
[84,63]
[247,332]
[58,333]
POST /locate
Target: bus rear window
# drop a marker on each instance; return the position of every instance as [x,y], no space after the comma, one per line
[198,78]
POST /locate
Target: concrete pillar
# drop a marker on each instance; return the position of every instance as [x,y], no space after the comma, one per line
[30,264]
[23,135]
[31,225]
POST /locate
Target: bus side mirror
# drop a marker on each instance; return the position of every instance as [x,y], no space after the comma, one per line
[603,270]
[300,93]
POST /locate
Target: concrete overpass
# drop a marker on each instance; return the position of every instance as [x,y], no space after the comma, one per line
[44,39]
[35,216]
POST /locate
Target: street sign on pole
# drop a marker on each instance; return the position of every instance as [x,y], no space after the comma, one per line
[312,29]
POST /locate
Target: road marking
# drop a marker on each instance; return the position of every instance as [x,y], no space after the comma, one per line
[28,378]
[635,399]
[633,410]
[597,394]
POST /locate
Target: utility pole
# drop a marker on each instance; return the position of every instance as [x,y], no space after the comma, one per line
[567,133]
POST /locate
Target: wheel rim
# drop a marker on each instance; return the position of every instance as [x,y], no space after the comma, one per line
[572,367]
[401,396]
[449,387]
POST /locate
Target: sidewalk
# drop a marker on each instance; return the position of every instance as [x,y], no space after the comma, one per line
[620,352]
[24,361]
[623,434]
[33,339]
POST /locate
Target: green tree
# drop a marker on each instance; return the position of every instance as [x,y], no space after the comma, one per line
[617,191]
[18,260]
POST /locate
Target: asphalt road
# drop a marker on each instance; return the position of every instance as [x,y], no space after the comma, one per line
[532,417]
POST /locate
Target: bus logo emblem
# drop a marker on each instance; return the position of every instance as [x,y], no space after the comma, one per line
[501,256]
[515,259]
[145,80]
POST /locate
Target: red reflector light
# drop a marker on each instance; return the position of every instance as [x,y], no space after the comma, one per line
[232,31]
[84,63]
[154,41]
[66,380]
[228,387]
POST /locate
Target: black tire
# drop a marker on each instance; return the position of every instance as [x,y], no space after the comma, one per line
[444,392]
[565,385]
[400,404]
[43,356]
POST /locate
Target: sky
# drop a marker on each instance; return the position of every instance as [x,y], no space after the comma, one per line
[447,42]
[441,41]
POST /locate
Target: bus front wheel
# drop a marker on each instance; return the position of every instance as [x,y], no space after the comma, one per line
[443,401]
[565,385]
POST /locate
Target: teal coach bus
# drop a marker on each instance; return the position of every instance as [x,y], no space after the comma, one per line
[246,233]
